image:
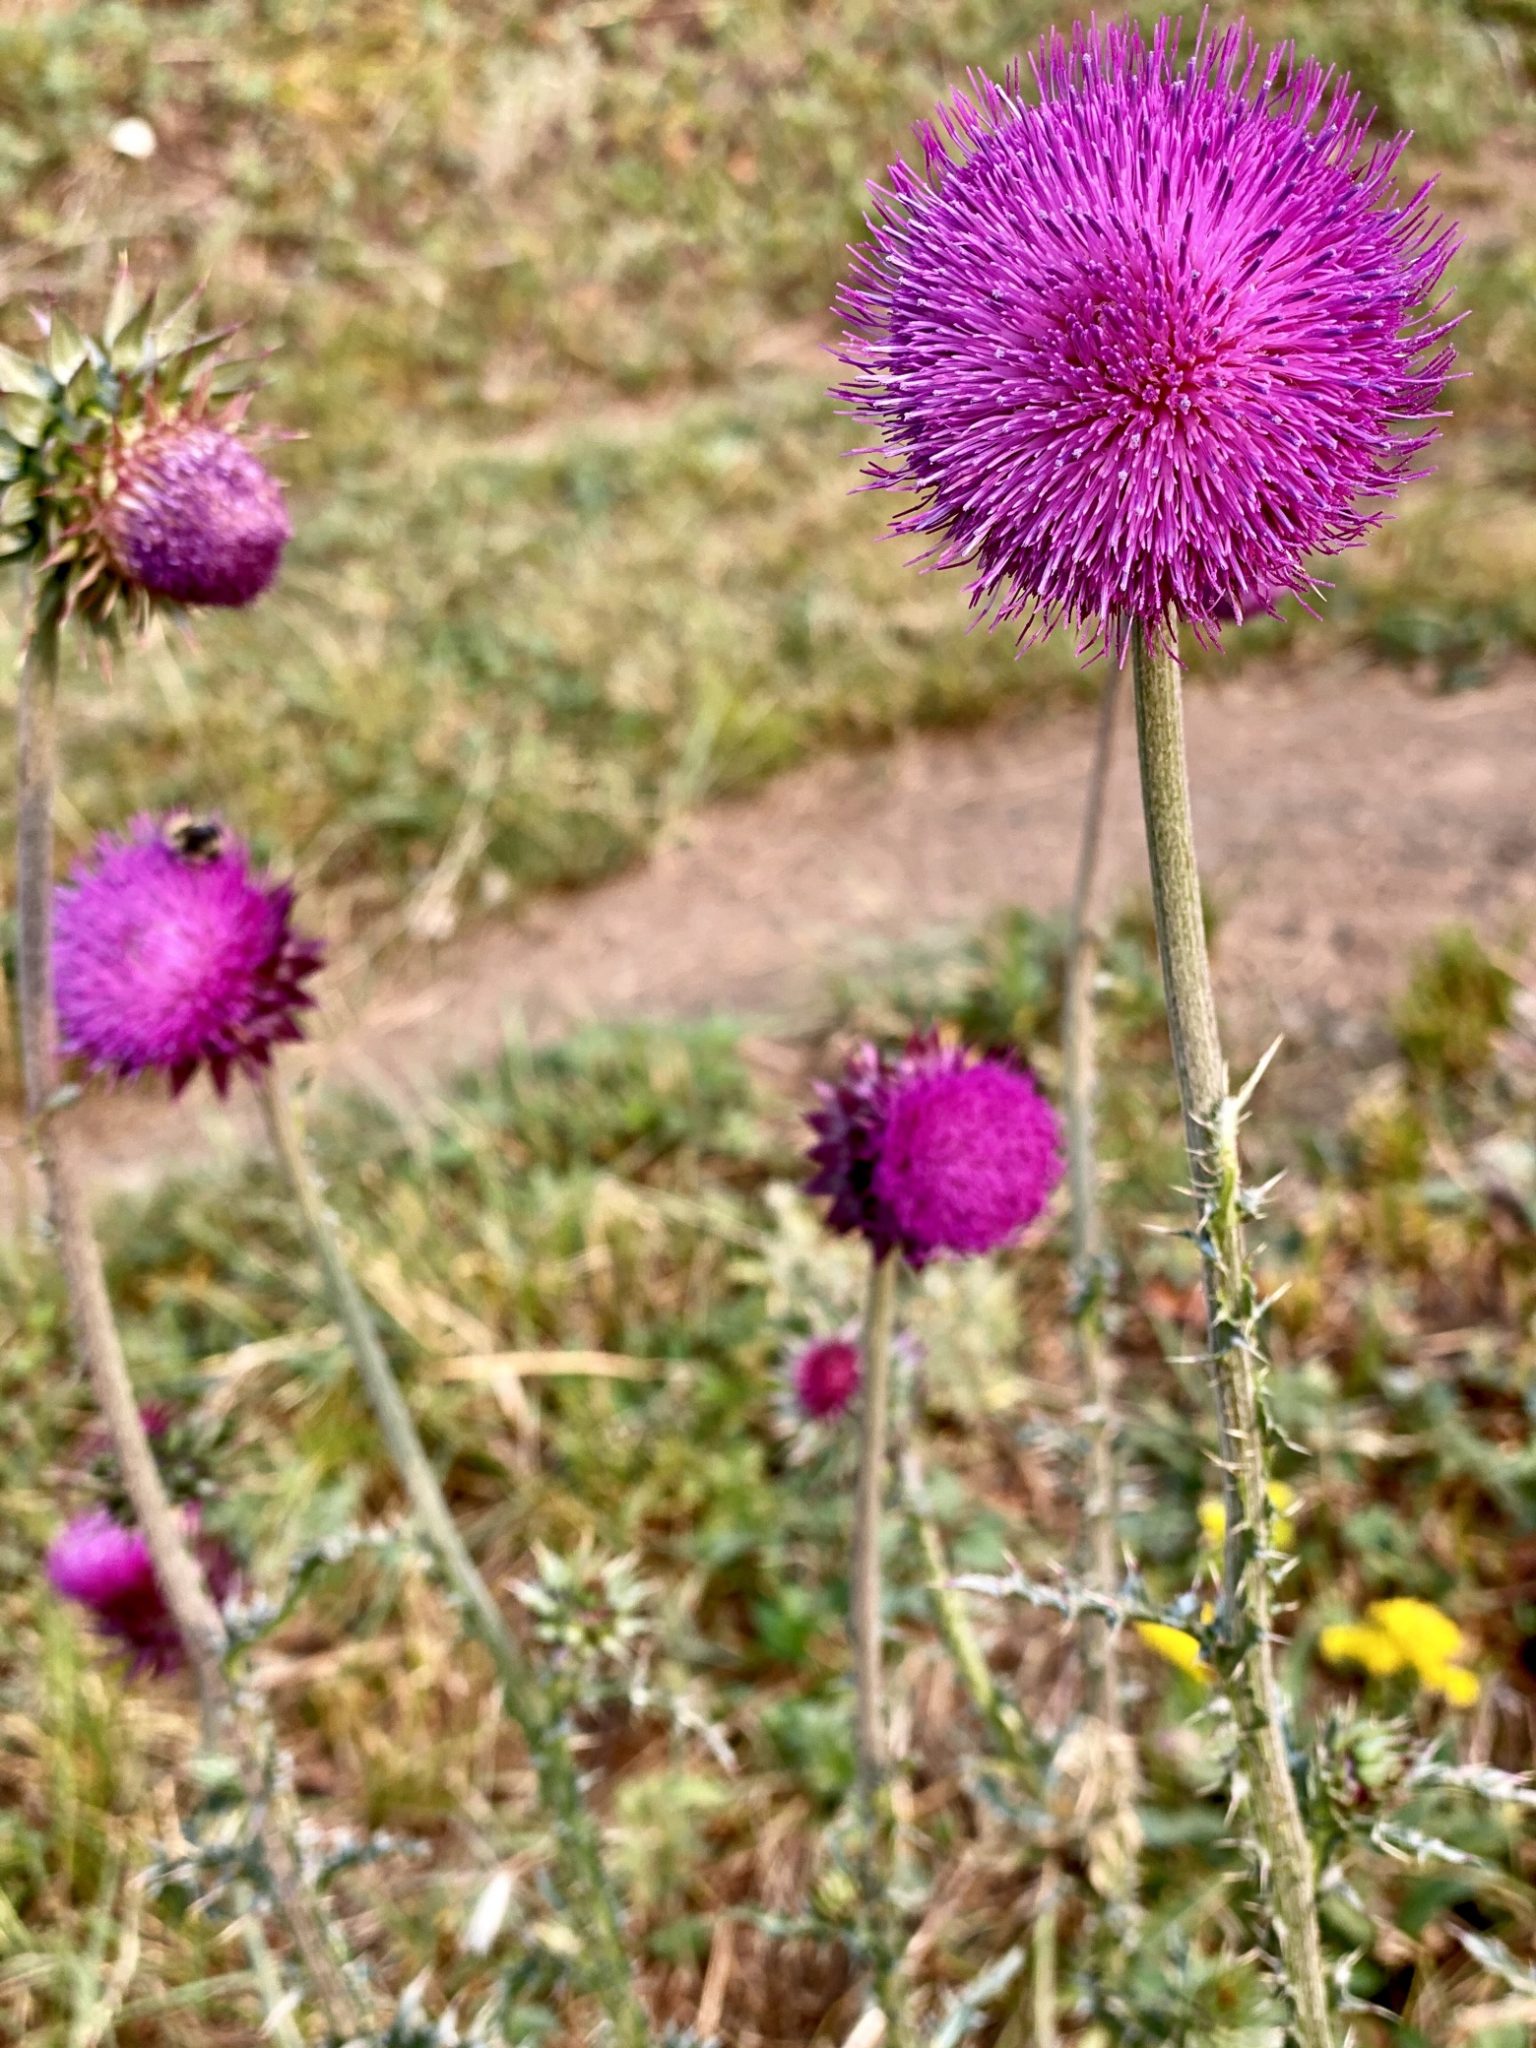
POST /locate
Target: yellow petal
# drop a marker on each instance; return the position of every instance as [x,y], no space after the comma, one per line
[1427,1638]
[1460,1686]
[1175,1646]
[1358,1642]
[1213,1520]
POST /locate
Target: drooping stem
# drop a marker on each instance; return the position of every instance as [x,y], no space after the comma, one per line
[198,1621]
[589,1894]
[1210,1130]
[1095,1366]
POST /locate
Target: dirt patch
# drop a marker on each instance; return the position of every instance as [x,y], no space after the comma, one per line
[1342,817]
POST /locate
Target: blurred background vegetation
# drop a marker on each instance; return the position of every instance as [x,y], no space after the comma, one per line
[575,552]
[549,285]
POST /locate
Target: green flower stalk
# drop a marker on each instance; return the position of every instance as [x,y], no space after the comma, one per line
[1211,1117]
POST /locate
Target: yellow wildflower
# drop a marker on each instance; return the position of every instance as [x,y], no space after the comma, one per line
[1360,1642]
[1427,1638]
[1406,1635]
[1176,1647]
[1212,1516]
[1460,1686]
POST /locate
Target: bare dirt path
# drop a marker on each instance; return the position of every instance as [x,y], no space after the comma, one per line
[1343,816]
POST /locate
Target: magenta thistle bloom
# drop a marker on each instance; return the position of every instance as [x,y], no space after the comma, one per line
[195,518]
[1146,344]
[106,1568]
[935,1151]
[825,1377]
[170,953]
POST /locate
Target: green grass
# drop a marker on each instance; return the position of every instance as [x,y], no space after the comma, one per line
[549,285]
[632,1192]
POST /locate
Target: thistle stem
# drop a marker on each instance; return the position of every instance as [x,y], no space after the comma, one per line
[866,1614]
[198,1621]
[589,1894]
[1095,1366]
[1210,1131]
[875,1414]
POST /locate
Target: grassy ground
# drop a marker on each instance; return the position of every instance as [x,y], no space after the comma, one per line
[632,1194]
[574,547]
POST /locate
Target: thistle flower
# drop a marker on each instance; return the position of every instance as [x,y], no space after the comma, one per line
[105,1567]
[170,953]
[194,518]
[824,1377]
[1142,347]
[122,481]
[934,1151]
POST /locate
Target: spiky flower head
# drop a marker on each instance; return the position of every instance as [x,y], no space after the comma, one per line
[824,1376]
[935,1150]
[1145,340]
[123,483]
[104,1566]
[171,952]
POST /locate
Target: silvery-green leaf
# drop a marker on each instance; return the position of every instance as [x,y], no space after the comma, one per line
[16,543]
[12,460]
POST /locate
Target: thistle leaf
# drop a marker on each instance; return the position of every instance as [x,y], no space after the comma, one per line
[18,503]
[130,346]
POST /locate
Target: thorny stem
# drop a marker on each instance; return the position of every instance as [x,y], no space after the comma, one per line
[1095,1366]
[866,1604]
[589,1894]
[98,1346]
[1210,1131]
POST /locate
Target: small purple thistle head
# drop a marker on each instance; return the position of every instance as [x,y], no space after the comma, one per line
[1143,346]
[935,1151]
[171,954]
[105,1568]
[824,1377]
[195,518]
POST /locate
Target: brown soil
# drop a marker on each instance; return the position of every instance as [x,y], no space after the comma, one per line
[1342,816]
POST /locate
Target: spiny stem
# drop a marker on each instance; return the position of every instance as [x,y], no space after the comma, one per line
[1095,1365]
[588,1890]
[1210,1130]
[198,1621]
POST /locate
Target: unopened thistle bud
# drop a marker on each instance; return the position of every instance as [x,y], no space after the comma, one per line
[123,484]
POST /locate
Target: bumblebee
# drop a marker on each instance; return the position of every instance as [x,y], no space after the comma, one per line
[194,839]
